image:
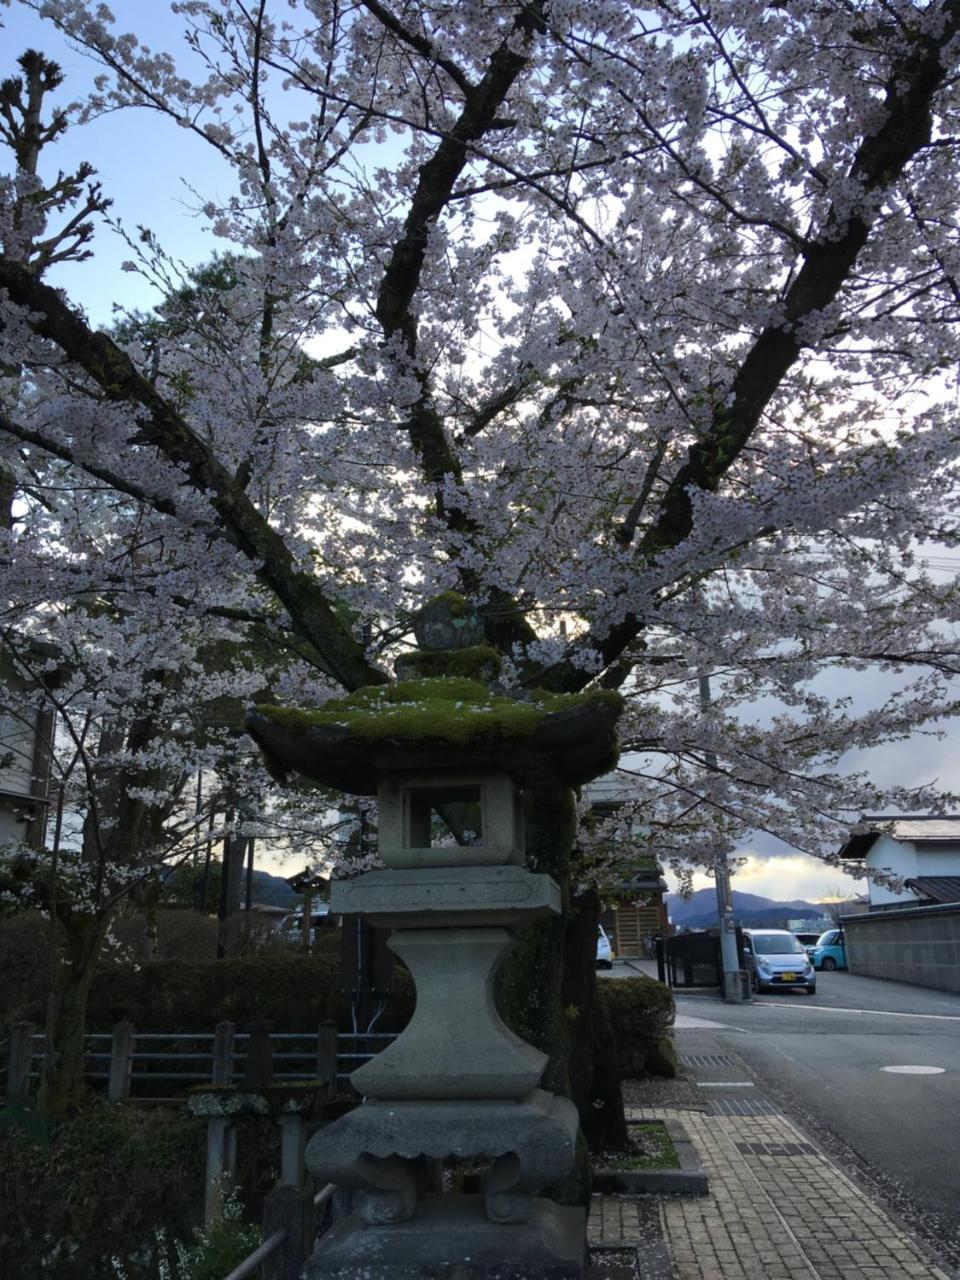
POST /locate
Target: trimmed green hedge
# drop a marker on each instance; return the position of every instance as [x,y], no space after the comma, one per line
[296,991]
[641,1012]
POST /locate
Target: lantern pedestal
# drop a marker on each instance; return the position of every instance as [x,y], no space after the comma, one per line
[450,1239]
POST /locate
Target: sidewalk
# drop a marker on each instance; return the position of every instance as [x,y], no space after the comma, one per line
[778,1207]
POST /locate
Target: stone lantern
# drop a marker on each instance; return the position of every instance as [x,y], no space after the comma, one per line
[448,761]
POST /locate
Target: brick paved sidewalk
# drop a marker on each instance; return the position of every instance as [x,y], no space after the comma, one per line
[778,1209]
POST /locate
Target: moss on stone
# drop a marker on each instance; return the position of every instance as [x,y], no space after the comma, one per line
[455,604]
[478,662]
[451,709]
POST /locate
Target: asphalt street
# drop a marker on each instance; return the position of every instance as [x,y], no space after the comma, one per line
[827,1059]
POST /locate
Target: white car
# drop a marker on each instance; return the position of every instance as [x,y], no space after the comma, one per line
[604,950]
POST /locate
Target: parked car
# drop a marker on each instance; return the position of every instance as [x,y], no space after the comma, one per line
[775,959]
[809,941]
[604,950]
[830,951]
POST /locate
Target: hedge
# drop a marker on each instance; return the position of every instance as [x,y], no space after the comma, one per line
[641,1012]
[297,992]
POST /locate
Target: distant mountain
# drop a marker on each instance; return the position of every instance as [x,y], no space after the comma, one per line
[268,890]
[699,911]
[273,891]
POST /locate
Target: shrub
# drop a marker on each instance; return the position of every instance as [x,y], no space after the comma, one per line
[110,1192]
[25,965]
[297,992]
[218,1249]
[641,1013]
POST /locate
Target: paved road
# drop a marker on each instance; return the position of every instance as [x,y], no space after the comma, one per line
[824,1057]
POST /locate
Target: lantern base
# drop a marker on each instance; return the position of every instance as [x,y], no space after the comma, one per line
[450,1239]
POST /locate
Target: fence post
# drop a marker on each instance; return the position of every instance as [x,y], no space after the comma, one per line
[221,1163]
[223,1053]
[327,1053]
[20,1061]
[121,1062]
[293,1145]
[288,1209]
[258,1072]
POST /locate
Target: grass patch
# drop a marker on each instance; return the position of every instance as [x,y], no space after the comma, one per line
[650,1147]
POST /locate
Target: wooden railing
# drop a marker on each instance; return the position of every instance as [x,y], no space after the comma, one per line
[146,1065]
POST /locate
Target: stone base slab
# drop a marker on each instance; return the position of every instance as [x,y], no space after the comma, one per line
[449,1239]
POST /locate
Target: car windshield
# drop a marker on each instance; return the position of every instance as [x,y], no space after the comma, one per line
[828,939]
[775,944]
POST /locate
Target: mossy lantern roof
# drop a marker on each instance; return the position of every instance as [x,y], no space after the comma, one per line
[438,724]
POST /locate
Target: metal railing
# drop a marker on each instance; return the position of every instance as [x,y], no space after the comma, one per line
[273,1242]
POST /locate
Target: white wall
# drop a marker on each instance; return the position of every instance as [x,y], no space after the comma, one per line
[904,859]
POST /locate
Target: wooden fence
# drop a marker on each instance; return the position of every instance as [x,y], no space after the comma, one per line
[161,1066]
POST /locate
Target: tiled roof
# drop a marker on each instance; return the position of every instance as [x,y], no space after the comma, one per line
[919,829]
[939,888]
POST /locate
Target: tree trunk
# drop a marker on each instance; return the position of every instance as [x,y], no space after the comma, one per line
[62,1083]
[593,1066]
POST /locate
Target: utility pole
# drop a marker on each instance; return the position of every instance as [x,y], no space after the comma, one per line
[729,957]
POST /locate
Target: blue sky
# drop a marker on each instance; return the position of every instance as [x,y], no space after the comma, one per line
[145,164]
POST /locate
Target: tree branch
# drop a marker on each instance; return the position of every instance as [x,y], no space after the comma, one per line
[163,428]
[879,162]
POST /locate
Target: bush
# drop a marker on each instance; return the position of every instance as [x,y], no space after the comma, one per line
[641,1013]
[220,1248]
[25,965]
[110,1193]
[297,992]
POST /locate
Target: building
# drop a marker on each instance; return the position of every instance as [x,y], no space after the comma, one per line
[26,746]
[634,910]
[921,850]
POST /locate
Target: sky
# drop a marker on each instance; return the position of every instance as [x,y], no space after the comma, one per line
[158,177]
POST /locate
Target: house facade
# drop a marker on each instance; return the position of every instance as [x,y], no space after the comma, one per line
[26,743]
[921,850]
[634,910]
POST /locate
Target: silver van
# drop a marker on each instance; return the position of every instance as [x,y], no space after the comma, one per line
[776,959]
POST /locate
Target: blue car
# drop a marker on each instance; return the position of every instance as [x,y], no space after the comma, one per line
[830,951]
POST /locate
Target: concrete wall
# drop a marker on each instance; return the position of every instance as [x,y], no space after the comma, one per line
[919,945]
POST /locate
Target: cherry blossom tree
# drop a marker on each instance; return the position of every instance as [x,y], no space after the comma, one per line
[636,323]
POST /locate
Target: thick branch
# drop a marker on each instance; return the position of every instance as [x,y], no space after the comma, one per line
[434,189]
[163,428]
[879,162]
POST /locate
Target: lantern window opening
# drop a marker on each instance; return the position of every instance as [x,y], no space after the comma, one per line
[445,816]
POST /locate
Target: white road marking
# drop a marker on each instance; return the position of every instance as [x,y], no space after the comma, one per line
[684,1020]
[878,1013]
[725,1084]
[915,1071]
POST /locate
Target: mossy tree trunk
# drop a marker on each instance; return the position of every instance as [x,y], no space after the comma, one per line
[547,989]
[592,1064]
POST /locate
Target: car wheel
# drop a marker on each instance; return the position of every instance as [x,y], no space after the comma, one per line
[828,964]
[812,991]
